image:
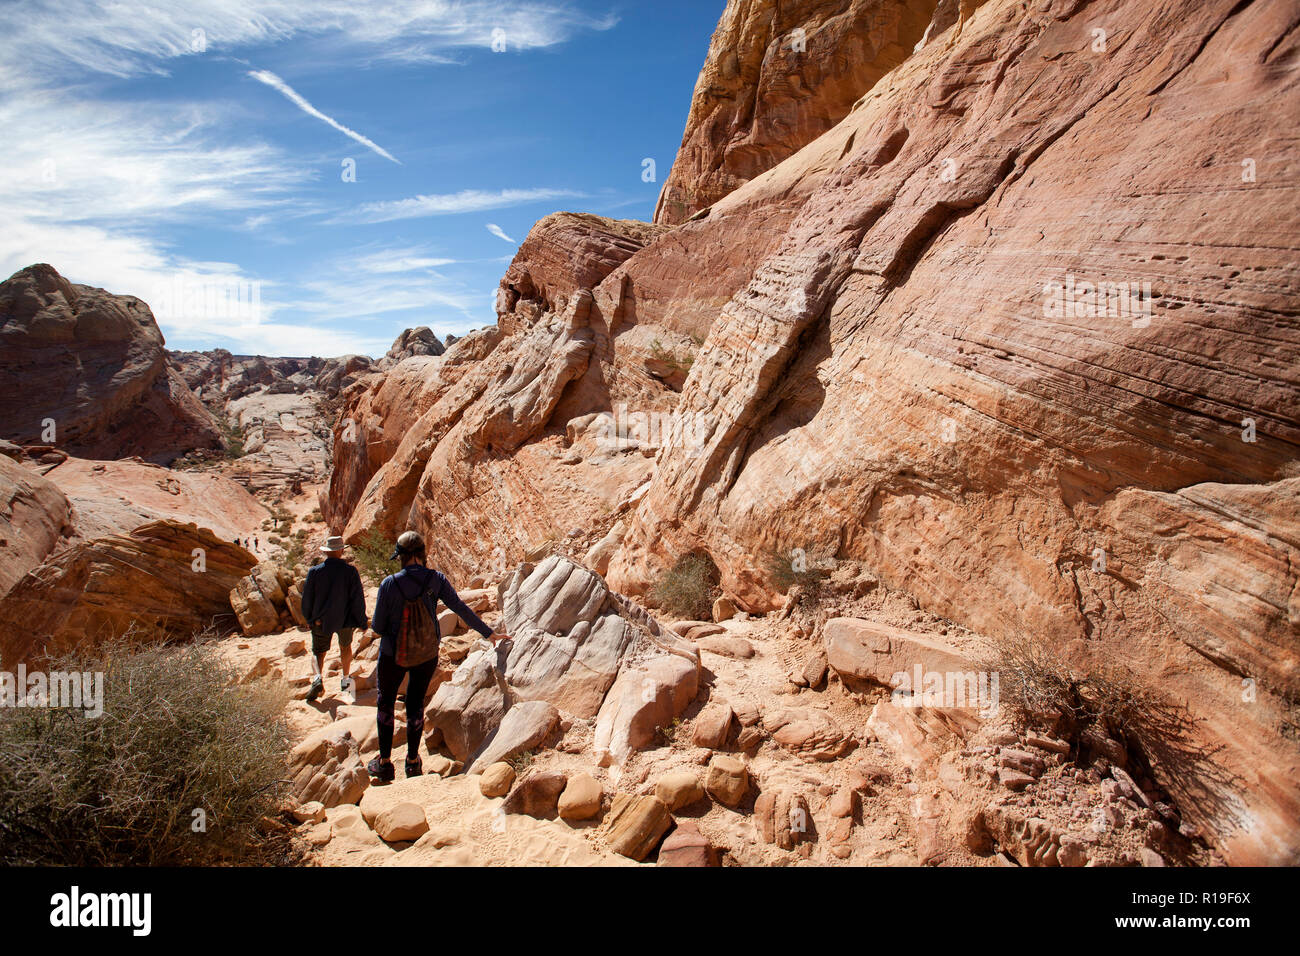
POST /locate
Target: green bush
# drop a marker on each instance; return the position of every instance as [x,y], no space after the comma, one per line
[232,435]
[687,589]
[176,735]
[370,555]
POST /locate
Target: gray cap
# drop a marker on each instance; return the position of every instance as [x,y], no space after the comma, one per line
[408,543]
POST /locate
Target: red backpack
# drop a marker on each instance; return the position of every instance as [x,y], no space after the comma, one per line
[417,638]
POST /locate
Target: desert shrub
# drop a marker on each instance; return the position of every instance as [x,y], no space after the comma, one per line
[687,588]
[668,733]
[295,549]
[370,555]
[670,358]
[521,761]
[1039,684]
[796,569]
[177,734]
[232,435]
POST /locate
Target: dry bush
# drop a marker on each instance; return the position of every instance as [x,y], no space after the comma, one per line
[687,589]
[177,734]
[1040,684]
[797,570]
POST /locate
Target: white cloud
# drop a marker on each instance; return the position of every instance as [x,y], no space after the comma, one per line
[497,231]
[290,339]
[130,37]
[447,204]
[395,260]
[294,97]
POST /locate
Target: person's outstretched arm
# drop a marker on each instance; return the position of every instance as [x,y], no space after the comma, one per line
[447,594]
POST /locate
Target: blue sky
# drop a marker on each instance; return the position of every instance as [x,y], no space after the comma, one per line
[193,153]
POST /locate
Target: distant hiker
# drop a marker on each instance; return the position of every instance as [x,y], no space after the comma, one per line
[406,620]
[334,602]
[254,544]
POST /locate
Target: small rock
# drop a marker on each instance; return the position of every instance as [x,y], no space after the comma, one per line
[581,798]
[687,846]
[736,648]
[727,780]
[497,780]
[679,789]
[636,824]
[1047,743]
[313,811]
[1023,761]
[1014,779]
[537,795]
[842,803]
[723,609]
[712,726]
[1149,857]
[402,822]
[814,670]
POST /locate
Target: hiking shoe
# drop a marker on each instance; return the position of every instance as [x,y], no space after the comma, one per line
[414,767]
[317,685]
[381,770]
[348,686]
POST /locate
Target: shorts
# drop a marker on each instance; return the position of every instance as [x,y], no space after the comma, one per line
[320,639]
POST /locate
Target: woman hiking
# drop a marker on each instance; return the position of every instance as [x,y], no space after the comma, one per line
[406,620]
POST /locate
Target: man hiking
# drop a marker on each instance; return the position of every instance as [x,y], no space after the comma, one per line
[333,602]
[406,620]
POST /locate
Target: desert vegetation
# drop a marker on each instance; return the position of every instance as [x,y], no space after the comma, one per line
[687,588]
[184,766]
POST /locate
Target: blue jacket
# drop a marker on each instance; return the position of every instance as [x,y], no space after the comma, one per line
[332,595]
[412,582]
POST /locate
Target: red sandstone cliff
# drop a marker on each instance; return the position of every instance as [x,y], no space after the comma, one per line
[905,361]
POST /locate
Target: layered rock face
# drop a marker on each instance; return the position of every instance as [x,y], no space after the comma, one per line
[116,497]
[34,516]
[93,373]
[778,75]
[162,580]
[918,377]
[95,550]
[1017,333]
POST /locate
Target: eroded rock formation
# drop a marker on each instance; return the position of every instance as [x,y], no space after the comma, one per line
[94,376]
[162,580]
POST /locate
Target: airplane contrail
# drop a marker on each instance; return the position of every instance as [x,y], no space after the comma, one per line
[293,96]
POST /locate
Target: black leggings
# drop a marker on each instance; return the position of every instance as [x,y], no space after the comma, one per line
[417,685]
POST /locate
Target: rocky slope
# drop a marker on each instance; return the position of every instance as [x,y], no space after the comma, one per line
[603,737]
[93,373]
[890,349]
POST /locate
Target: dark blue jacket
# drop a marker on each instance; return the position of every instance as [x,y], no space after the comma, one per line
[332,595]
[412,582]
